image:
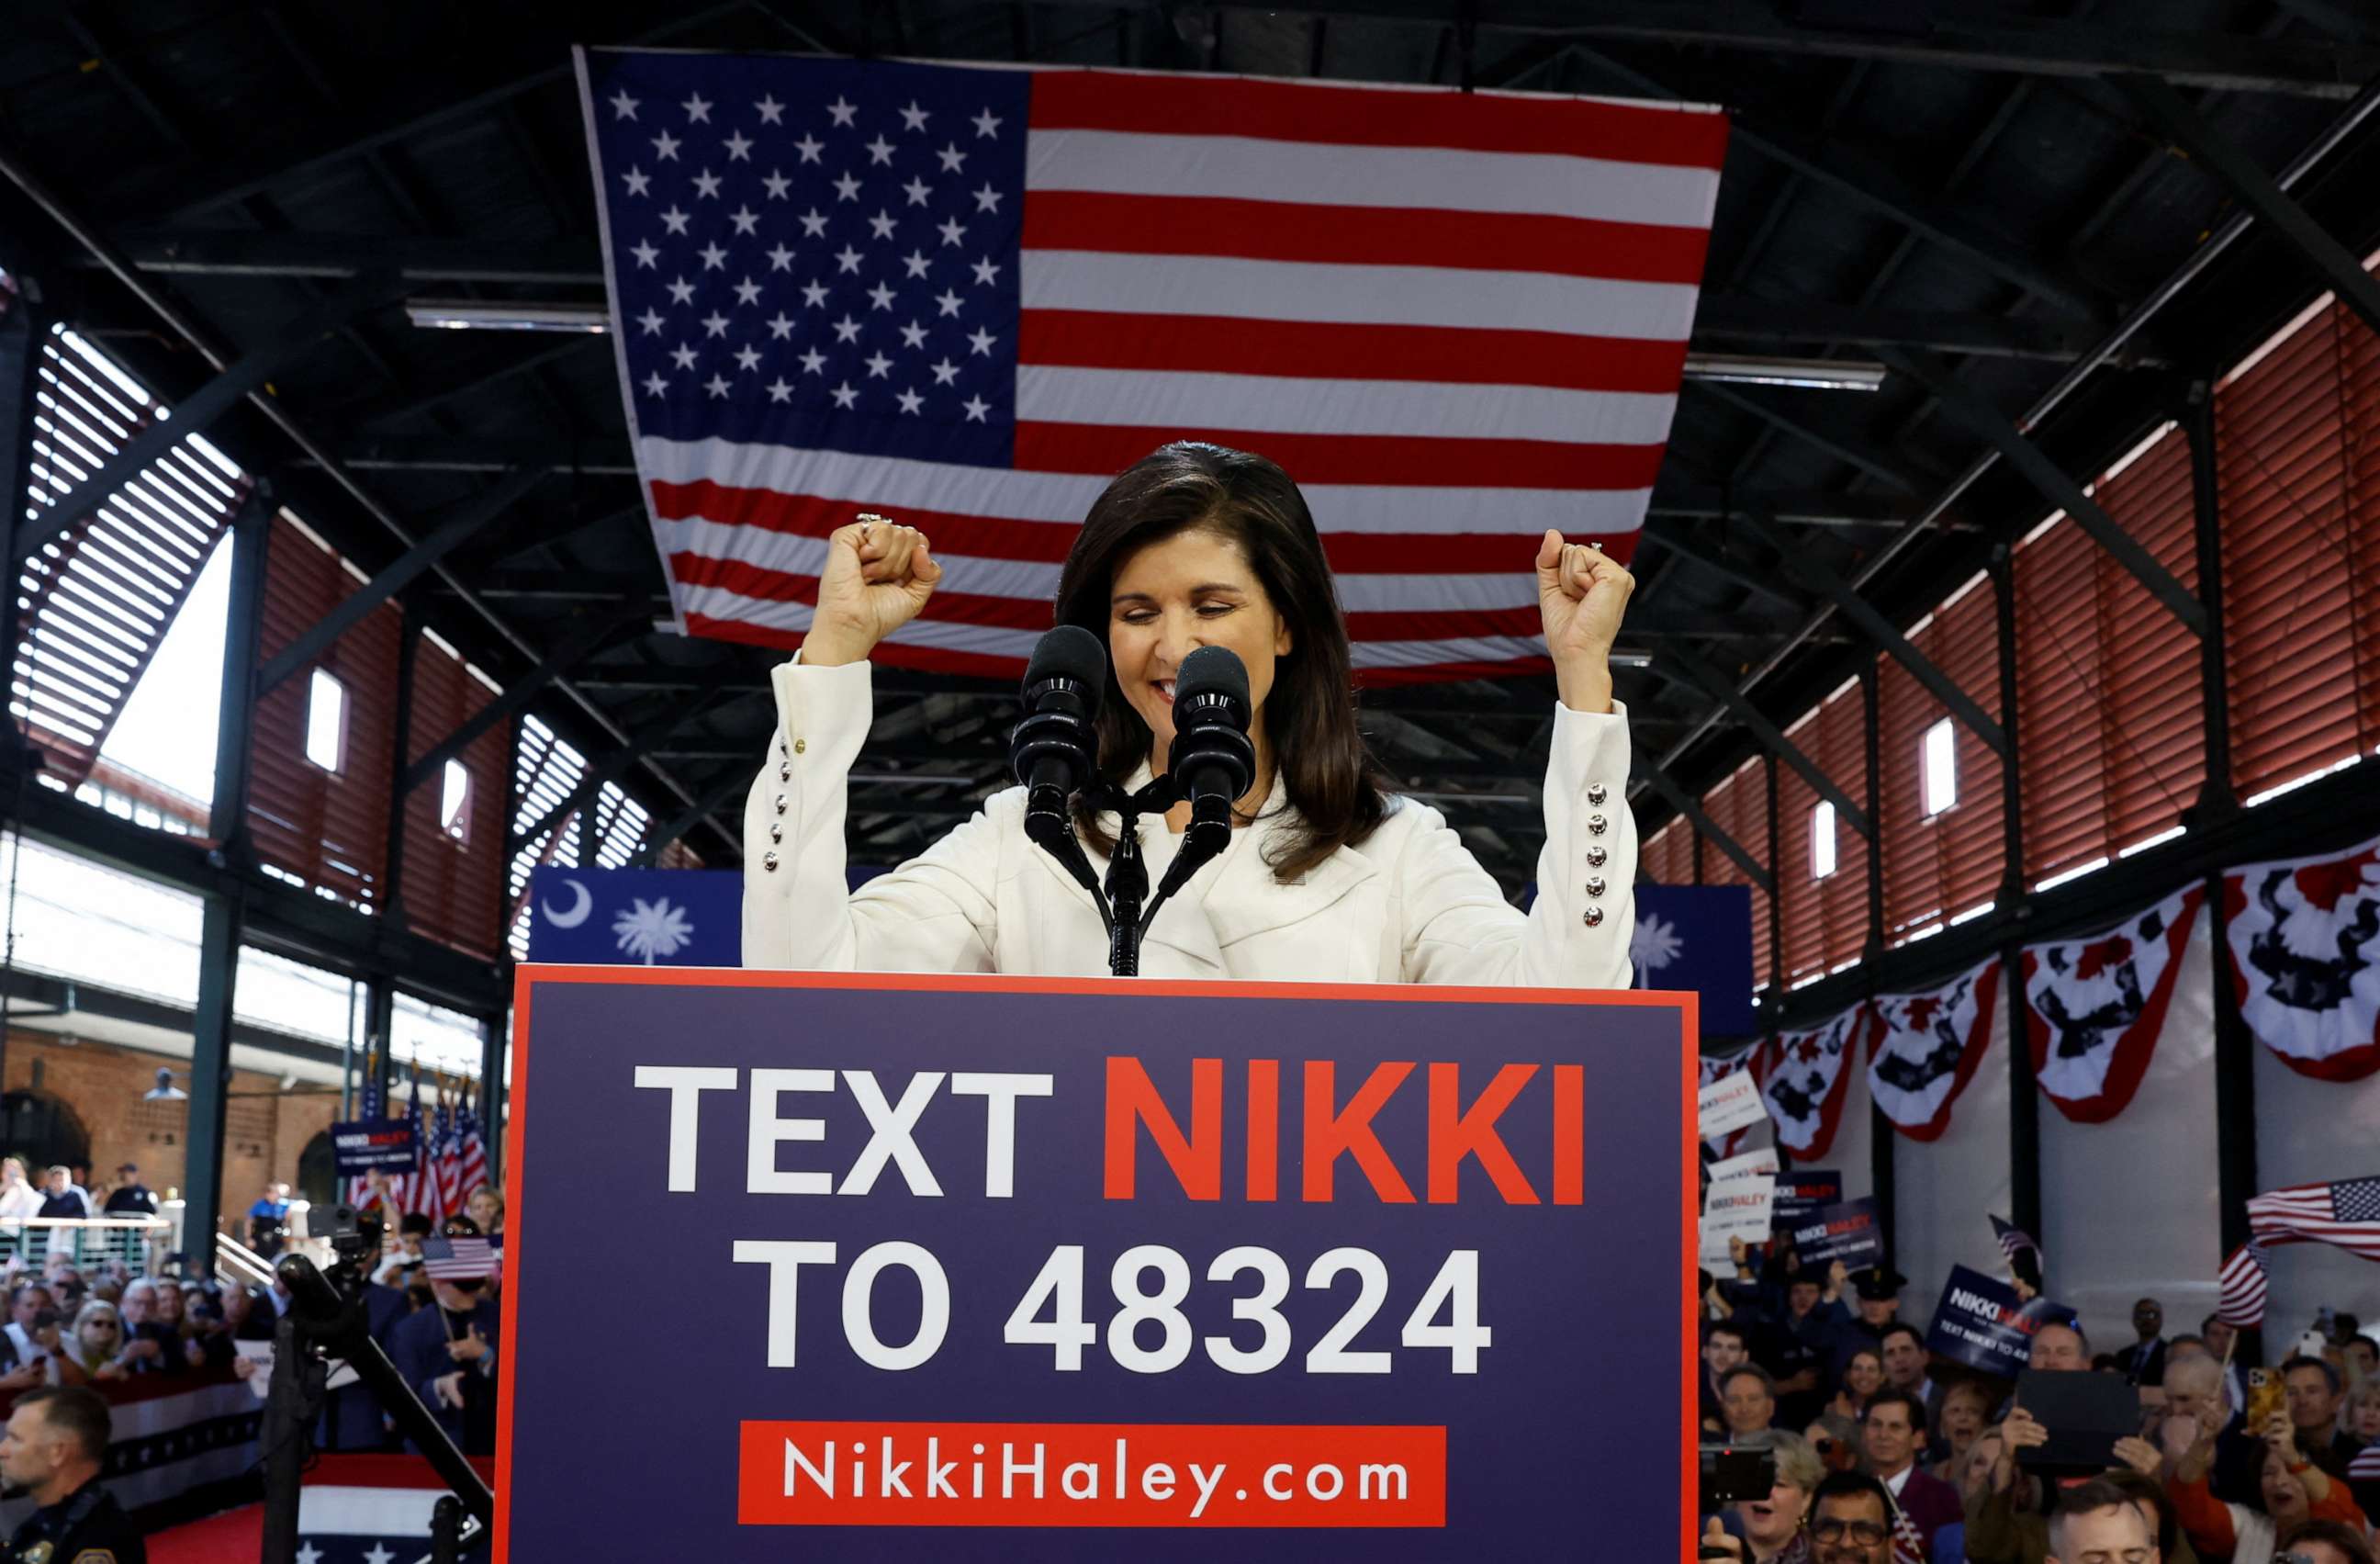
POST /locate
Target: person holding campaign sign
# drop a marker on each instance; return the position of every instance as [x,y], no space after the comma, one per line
[1327,877]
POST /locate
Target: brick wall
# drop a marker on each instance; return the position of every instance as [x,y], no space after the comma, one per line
[101,1085]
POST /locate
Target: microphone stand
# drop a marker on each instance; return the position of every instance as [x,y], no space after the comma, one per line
[328,1321]
[1128,885]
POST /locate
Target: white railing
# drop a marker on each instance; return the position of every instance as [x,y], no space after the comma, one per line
[137,1241]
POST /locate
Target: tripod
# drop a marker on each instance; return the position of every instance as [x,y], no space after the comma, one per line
[326,1320]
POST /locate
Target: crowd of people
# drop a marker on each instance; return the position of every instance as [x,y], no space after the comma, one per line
[1884,1453]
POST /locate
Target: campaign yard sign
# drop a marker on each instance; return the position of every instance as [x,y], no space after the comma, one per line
[1802,1190]
[358,1145]
[1981,1323]
[1730,1103]
[1009,1267]
[1845,1231]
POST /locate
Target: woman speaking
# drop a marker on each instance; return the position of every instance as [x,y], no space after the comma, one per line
[1329,878]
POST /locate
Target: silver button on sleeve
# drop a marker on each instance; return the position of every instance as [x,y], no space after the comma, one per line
[1592,917]
[1596,855]
[769,861]
[1595,885]
[1596,825]
[1596,793]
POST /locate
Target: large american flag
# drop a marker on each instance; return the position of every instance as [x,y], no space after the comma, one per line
[2346,1214]
[968,296]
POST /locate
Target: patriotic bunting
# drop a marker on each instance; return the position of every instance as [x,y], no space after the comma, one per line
[2094,1007]
[2240,1288]
[2305,959]
[1803,1082]
[1925,1049]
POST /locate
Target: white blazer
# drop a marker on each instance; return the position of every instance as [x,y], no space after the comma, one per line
[1409,904]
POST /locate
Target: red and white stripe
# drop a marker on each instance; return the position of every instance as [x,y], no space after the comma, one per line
[1455,318]
[2239,1290]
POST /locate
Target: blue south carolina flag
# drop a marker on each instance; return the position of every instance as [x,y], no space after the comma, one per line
[1698,938]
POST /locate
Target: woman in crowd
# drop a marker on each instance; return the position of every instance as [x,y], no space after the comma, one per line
[1774,1529]
[1965,1409]
[1332,879]
[90,1352]
[1863,1376]
[2295,1490]
[2364,1411]
[487,1208]
[17,1196]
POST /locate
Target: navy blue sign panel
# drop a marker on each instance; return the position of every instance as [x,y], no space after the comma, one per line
[994,1268]
[361,1144]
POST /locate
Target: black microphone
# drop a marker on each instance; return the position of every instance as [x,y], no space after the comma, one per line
[1052,750]
[1213,757]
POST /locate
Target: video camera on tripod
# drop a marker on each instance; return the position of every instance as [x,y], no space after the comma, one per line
[327,1321]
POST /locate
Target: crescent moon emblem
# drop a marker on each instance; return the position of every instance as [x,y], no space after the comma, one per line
[578,910]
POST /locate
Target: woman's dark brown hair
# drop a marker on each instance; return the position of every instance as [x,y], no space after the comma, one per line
[1310,717]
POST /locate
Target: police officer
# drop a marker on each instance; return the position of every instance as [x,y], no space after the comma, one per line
[56,1442]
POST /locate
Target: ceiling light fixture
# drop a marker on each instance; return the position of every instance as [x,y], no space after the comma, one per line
[472,315]
[1808,374]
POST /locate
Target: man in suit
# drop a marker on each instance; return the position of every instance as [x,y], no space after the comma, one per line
[2144,1361]
[1892,1434]
[2315,1387]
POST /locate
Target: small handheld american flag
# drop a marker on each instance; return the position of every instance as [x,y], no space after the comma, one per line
[458,1259]
[2024,1254]
[2239,1290]
[1908,1546]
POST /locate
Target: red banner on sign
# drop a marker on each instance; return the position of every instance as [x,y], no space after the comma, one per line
[1089,1475]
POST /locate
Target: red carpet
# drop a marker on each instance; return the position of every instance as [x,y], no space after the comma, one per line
[234,1537]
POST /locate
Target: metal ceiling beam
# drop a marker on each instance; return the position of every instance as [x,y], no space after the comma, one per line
[1741,317]
[1853,173]
[2314,67]
[648,738]
[1686,804]
[274,165]
[1700,675]
[1703,502]
[473,377]
[603,456]
[1804,564]
[475,514]
[1968,405]
[1850,450]
[1681,544]
[208,346]
[198,411]
[576,648]
[714,798]
[2349,121]
[2238,173]
[217,252]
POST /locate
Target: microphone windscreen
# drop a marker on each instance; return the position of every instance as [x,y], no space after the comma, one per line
[1214,670]
[1071,652]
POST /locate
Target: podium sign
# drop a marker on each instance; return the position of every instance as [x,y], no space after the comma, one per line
[893,1267]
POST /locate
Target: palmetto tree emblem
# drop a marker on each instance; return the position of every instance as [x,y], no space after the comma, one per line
[1652,946]
[652,928]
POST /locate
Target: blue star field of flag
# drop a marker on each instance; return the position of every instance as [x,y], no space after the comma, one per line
[816,253]
[2356,1200]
